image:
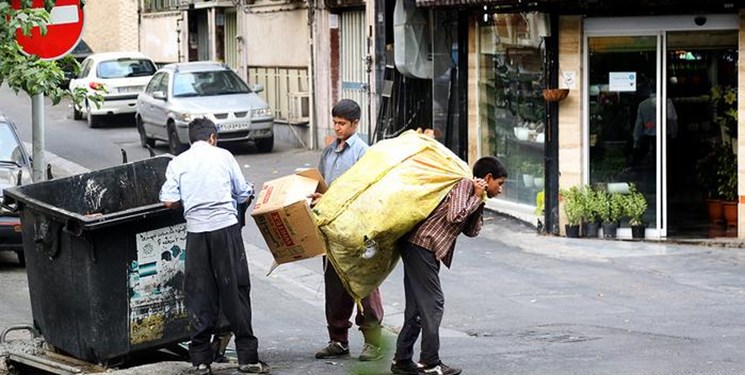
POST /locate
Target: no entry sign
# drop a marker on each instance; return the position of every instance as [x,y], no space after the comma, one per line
[63,31]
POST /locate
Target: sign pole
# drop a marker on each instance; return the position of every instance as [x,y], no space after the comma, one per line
[64,30]
[37,137]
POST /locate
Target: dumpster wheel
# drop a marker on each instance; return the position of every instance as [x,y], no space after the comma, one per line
[49,359]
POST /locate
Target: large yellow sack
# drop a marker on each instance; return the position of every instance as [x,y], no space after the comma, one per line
[393,187]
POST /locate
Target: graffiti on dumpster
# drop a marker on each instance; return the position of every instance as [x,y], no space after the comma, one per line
[156,298]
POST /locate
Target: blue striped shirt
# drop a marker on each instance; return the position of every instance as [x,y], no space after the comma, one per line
[335,162]
[209,183]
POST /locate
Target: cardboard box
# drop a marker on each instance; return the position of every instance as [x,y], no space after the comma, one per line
[284,218]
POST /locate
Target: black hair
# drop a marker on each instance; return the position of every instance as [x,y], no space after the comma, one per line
[489,164]
[201,129]
[347,109]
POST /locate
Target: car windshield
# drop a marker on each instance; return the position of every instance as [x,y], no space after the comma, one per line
[10,149]
[219,82]
[125,67]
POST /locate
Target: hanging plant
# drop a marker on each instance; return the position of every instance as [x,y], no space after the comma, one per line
[555,95]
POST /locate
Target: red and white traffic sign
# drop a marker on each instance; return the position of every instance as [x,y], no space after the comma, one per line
[64,30]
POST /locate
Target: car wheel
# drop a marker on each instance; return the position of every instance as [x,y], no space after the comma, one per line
[265,144]
[174,145]
[92,119]
[144,139]
[76,115]
[21,258]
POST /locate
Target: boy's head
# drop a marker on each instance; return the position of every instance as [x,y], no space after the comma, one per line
[346,116]
[493,172]
[202,129]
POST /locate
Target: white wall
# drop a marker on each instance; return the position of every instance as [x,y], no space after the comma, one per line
[159,38]
[277,38]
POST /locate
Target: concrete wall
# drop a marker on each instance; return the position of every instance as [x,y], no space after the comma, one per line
[159,38]
[111,25]
[741,132]
[323,98]
[277,39]
[571,162]
[474,132]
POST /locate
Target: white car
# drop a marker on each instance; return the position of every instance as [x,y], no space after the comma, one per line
[118,76]
[179,93]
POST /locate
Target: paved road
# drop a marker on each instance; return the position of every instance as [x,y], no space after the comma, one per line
[516,302]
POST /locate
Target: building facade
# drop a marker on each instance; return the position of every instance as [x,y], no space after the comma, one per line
[111,26]
[619,63]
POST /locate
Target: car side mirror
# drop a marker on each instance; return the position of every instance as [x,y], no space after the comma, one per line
[258,87]
[160,95]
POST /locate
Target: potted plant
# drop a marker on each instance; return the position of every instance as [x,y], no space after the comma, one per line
[592,210]
[727,185]
[707,170]
[635,204]
[611,210]
[572,198]
[527,169]
[724,101]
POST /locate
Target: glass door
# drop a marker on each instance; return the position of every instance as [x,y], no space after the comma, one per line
[625,146]
[701,89]
[679,154]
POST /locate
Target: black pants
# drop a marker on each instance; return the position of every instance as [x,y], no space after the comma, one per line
[425,304]
[217,278]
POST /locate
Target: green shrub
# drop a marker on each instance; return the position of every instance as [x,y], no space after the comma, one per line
[573,206]
[593,204]
[635,204]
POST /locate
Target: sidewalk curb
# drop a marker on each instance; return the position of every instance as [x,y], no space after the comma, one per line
[60,167]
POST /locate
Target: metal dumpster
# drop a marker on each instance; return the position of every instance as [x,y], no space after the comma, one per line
[105,261]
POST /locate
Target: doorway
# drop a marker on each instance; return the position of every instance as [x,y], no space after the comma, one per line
[632,139]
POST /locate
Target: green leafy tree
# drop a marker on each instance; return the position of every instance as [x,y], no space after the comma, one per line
[28,73]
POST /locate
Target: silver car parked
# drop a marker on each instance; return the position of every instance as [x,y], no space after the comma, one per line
[179,93]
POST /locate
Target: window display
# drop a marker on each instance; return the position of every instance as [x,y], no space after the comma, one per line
[512,108]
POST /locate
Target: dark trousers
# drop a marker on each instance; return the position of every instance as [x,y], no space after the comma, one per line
[425,304]
[217,278]
[339,308]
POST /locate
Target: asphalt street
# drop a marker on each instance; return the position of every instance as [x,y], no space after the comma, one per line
[516,302]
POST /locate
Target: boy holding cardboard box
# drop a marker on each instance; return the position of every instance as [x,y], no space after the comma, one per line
[336,159]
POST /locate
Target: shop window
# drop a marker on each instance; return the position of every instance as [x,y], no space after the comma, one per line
[511,105]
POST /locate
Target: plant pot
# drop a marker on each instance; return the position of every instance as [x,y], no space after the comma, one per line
[555,95]
[572,231]
[528,180]
[638,231]
[609,230]
[538,182]
[714,206]
[591,230]
[730,213]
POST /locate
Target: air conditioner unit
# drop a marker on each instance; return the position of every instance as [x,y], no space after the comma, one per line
[299,111]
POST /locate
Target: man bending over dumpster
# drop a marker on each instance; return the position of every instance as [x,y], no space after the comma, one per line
[207,181]
[432,241]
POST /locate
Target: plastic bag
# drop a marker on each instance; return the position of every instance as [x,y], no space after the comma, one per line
[393,187]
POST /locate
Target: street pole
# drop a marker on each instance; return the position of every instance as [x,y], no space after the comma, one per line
[37,137]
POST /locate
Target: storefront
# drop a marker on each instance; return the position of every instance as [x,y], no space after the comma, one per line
[618,70]
[657,95]
[652,104]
